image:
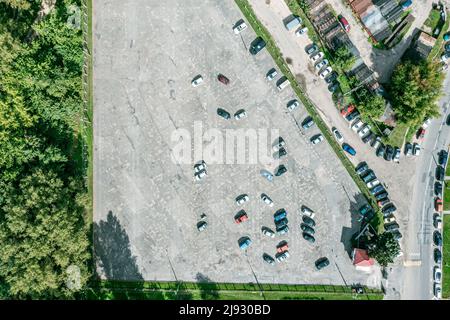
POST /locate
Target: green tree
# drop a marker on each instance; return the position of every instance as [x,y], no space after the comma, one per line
[384,248]
[370,105]
[343,58]
[415,88]
[42,235]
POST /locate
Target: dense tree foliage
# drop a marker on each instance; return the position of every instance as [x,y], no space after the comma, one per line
[370,104]
[415,88]
[43,196]
[343,58]
[384,248]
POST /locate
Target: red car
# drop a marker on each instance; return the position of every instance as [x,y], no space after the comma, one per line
[421,133]
[282,248]
[438,204]
[241,217]
[347,110]
[344,23]
[223,79]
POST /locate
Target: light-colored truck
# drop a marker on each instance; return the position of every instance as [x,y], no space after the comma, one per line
[292,23]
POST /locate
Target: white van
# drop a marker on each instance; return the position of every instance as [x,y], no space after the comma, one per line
[283,84]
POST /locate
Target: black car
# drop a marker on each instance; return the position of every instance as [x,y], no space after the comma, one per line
[381,195]
[282,230]
[438,188]
[437,256]
[443,155]
[280,153]
[268,259]
[333,87]
[322,263]
[369,175]
[389,153]
[308,221]
[368,137]
[280,170]
[307,229]
[440,173]
[389,209]
[437,238]
[377,189]
[448,120]
[281,223]
[223,113]
[311,49]
[383,202]
[352,115]
[391,226]
[397,235]
[257,45]
[361,168]
[308,237]
[332,77]
[380,150]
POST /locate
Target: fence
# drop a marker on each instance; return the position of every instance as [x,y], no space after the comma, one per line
[208,286]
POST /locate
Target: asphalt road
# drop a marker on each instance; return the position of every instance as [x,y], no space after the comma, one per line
[417,281]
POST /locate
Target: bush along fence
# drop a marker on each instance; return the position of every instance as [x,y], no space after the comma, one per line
[309,105]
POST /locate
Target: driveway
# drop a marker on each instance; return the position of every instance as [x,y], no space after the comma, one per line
[381,61]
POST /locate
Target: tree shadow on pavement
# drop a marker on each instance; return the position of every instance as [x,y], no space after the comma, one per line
[349,232]
[208,289]
[112,250]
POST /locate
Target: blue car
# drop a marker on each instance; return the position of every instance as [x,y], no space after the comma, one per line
[244,243]
[279,215]
[349,149]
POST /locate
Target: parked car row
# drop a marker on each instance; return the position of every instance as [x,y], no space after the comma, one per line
[281,222]
[308,224]
[387,207]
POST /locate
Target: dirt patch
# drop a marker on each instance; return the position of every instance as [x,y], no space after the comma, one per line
[300,78]
[289,61]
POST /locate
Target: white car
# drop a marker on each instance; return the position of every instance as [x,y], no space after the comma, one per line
[321,64]
[389,219]
[338,135]
[283,256]
[317,139]
[426,123]
[437,290]
[268,232]
[317,56]
[301,31]
[365,130]
[416,149]
[200,175]
[445,56]
[243,198]
[308,212]
[198,80]
[293,105]
[240,27]
[357,125]
[266,199]
[437,274]
[373,183]
[326,72]
[272,74]
[200,167]
[241,114]
[279,144]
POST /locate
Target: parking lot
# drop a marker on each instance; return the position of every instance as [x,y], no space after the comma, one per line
[147,206]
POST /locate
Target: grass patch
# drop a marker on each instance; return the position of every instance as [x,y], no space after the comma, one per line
[433,19]
[447,171]
[274,51]
[446,195]
[438,46]
[446,257]
[397,135]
